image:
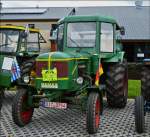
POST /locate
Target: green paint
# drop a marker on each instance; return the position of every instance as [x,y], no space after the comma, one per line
[88,19]
[5,79]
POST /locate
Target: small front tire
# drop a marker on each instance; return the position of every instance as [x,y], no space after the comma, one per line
[21,112]
[93,113]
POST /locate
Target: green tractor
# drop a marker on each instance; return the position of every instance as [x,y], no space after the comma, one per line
[89,61]
[19,46]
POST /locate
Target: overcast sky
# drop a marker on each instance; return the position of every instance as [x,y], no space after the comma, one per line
[73,3]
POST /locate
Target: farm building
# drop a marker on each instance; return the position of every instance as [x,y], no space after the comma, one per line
[136,21]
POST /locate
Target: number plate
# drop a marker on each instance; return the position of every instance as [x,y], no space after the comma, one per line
[7,63]
[49,75]
[140,55]
[49,85]
[53,105]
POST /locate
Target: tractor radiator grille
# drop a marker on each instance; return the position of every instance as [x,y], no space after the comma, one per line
[62,68]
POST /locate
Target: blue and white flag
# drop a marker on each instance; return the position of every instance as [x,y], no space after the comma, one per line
[15,71]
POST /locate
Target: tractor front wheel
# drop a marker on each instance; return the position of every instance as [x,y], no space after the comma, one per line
[139,114]
[21,111]
[93,113]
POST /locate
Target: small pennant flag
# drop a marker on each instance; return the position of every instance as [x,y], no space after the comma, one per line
[15,71]
[98,74]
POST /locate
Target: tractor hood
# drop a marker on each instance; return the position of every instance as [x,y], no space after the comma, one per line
[61,56]
[58,70]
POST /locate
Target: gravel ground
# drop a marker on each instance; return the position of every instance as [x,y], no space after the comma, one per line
[71,122]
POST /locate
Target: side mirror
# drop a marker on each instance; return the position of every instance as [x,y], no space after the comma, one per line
[122,30]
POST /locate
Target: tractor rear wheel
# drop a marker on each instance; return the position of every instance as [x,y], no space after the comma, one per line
[145,83]
[21,111]
[26,68]
[139,114]
[93,113]
[117,85]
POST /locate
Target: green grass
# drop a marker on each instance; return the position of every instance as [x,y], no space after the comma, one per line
[134,88]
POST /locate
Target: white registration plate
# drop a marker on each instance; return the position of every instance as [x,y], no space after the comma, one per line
[53,105]
[140,55]
[49,85]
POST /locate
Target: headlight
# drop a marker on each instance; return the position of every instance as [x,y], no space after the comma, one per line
[26,79]
[79,80]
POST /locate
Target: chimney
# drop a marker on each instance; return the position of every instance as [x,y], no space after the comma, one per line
[138,4]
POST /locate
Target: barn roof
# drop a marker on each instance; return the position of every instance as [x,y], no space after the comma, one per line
[135,20]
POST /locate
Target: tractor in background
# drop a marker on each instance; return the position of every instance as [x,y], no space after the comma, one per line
[89,61]
[19,46]
[142,103]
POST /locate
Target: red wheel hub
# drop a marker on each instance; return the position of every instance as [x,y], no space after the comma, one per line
[26,112]
[97,113]
[26,115]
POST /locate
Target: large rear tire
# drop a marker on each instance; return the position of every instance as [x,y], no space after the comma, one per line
[139,114]
[21,112]
[145,83]
[93,113]
[117,85]
[26,69]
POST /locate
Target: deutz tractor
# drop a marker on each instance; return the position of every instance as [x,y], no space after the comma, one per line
[19,46]
[142,103]
[89,61]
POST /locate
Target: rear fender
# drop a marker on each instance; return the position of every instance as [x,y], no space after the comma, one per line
[118,57]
